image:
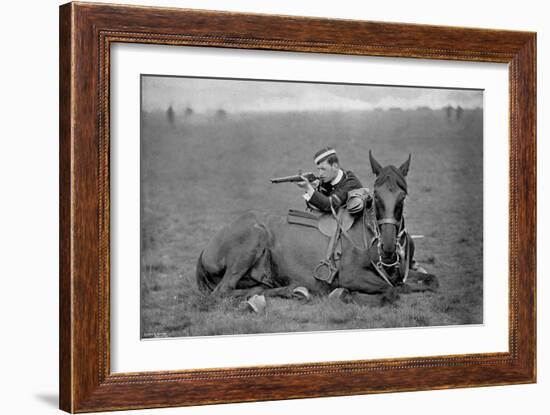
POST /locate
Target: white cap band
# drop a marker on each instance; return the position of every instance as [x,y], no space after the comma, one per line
[324,155]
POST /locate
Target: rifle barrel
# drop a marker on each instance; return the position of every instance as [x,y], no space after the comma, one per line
[294,179]
[286,179]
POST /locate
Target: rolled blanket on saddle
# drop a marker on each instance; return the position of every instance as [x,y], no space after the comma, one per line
[358,199]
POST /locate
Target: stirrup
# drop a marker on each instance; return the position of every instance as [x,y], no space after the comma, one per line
[325,271]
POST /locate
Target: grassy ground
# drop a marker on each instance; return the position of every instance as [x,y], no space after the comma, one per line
[201,172]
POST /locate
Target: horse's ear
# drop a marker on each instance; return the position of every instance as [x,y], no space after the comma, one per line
[404,168]
[376,167]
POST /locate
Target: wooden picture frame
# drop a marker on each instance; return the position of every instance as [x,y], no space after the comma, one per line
[86,33]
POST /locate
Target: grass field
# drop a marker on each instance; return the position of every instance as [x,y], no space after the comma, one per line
[200,172]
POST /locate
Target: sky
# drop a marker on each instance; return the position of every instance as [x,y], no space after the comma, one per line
[208,95]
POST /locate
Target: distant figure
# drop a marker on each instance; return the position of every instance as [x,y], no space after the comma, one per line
[221,113]
[459,112]
[170,115]
[448,112]
[331,190]
[188,111]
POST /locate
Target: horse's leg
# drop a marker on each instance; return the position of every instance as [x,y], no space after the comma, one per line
[244,258]
[416,282]
[420,282]
[387,297]
[248,292]
[235,272]
[281,292]
[230,279]
[262,274]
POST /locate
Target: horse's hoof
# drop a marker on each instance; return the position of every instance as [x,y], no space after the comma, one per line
[301,292]
[389,298]
[431,282]
[418,268]
[340,294]
[257,303]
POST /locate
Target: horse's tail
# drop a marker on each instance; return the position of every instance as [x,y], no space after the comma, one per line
[202,276]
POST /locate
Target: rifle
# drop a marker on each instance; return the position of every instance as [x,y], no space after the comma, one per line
[310,177]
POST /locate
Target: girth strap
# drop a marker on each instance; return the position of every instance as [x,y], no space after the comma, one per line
[327,268]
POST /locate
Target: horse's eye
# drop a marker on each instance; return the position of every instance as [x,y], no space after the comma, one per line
[398,210]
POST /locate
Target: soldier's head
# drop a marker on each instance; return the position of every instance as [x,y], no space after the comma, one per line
[327,164]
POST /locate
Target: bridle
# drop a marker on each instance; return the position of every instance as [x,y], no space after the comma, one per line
[399,224]
[401,249]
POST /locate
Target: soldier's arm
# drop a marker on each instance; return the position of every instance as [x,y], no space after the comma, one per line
[322,202]
[340,194]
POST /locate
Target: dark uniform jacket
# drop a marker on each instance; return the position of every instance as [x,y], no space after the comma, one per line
[337,194]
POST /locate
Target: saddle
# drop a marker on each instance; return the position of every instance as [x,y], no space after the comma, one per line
[331,227]
[323,222]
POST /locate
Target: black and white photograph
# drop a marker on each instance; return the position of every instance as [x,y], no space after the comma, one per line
[282,206]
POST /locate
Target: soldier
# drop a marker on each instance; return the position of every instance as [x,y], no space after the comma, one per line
[333,185]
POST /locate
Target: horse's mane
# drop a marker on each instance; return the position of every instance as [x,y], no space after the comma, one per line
[393,176]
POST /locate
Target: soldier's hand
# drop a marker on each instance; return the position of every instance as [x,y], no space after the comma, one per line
[368,193]
[369,198]
[304,184]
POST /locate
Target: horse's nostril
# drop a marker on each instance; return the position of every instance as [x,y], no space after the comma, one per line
[388,249]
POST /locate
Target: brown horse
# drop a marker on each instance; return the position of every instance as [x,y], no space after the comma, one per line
[262,253]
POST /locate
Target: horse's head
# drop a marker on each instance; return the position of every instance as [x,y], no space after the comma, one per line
[390,190]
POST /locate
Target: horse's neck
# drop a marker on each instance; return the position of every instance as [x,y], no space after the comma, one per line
[353,252]
[359,231]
